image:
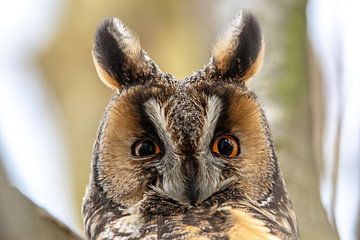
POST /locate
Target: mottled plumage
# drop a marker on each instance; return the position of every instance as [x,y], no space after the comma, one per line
[184,159]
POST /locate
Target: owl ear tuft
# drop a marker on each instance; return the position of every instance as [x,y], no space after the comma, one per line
[119,59]
[239,53]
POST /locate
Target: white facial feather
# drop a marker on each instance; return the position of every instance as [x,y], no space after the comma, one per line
[210,166]
[209,175]
[214,107]
[173,181]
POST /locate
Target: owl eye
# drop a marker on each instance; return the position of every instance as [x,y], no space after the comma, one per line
[145,148]
[226,145]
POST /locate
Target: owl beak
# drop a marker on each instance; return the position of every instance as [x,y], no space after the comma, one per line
[190,169]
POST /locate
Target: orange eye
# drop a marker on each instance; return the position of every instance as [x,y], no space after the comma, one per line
[226,145]
[145,148]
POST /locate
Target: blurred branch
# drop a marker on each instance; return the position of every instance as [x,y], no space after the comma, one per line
[20,218]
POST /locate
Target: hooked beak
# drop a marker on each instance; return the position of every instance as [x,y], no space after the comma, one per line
[190,169]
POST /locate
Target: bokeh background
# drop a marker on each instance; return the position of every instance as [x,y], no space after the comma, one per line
[51,100]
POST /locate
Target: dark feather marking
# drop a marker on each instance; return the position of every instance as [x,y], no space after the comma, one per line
[249,45]
[108,53]
[115,62]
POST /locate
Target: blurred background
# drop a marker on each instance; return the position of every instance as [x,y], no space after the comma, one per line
[51,100]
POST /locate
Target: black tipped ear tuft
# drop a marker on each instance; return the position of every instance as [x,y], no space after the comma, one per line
[118,56]
[239,54]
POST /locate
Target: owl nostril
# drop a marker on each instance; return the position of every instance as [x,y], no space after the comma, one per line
[190,168]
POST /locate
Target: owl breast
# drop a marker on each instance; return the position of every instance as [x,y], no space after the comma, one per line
[233,220]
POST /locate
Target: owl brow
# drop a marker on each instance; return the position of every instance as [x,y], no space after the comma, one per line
[214,107]
[222,121]
[147,123]
[155,121]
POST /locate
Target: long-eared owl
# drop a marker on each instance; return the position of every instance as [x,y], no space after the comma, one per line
[184,159]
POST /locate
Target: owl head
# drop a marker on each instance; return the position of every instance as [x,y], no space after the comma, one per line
[189,140]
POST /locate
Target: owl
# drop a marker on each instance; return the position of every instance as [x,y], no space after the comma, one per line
[185,158]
